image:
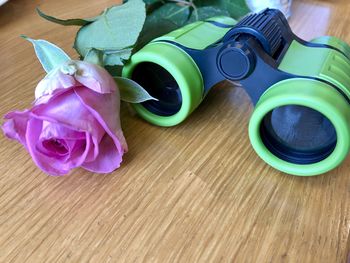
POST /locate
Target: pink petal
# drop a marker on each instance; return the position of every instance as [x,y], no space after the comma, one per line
[49,147]
[93,152]
[89,75]
[94,77]
[54,81]
[55,130]
[16,125]
[60,141]
[67,109]
[49,164]
[108,159]
[105,108]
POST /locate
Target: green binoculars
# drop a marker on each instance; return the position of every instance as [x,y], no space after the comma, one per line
[301,90]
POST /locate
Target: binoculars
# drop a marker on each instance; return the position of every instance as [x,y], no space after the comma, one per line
[300,90]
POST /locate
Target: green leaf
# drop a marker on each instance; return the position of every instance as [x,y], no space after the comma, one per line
[117,57]
[153,5]
[49,55]
[163,20]
[114,32]
[132,92]
[115,71]
[151,2]
[152,29]
[237,8]
[67,22]
[205,12]
[176,13]
[94,56]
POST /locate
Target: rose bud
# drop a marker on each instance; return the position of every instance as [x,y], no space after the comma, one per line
[74,121]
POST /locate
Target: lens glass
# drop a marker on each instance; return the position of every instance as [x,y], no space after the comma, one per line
[298,134]
[160,84]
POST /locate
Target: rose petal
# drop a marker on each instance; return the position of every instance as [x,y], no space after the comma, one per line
[67,109]
[59,131]
[16,125]
[93,152]
[105,108]
[89,75]
[108,159]
[49,164]
[54,148]
[54,81]
[80,151]
[69,140]
[94,77]
[46,98]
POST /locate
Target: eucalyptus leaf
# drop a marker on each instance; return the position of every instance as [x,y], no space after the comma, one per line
[116,30]
[176,13]
[94,56]
[49,55]
[67,22]
[132,92]
[237,8]
[205,12]
[152,5]
[117,57]
[115,71]
[172,14]
[163,19]
[151,2]
[152,29]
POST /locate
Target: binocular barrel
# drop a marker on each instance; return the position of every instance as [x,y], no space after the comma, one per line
[301,121]
[179,80]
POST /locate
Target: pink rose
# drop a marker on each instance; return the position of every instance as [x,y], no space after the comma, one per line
[74,121]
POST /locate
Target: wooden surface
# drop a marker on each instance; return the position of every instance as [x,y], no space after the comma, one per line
[193,193]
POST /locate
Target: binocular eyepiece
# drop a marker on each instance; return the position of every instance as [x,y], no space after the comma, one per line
[301,121]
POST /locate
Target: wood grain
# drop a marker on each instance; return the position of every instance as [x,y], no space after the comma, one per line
[193,193]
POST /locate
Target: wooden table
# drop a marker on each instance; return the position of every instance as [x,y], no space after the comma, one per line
[193,193]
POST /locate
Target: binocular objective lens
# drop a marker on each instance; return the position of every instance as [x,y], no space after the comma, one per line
[298,134]
[160,84]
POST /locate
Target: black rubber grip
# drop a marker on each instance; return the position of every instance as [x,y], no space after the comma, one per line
[266,26]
